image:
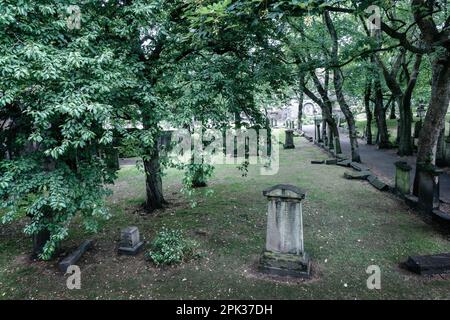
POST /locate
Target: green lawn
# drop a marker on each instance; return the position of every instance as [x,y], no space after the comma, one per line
[348,226]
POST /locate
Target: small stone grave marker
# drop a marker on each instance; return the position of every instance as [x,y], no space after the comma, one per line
[130,243]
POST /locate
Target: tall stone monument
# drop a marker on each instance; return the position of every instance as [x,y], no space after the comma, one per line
[284,254]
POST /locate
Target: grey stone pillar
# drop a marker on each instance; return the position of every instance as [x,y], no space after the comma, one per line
[289,139]
[284,254]
[428,186]
[402,178]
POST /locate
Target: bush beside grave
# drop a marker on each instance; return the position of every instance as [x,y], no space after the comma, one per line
[171,247]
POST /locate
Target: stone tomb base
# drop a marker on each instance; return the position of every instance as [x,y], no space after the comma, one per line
[131,251]
[285,264]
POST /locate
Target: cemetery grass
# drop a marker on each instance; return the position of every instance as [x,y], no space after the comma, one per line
[348,226]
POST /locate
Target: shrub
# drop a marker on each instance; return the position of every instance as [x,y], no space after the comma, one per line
[171,247]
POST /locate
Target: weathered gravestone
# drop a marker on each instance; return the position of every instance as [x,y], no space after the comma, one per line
[428,186]
[130,243]
[289,139]
[284,254]
[402,177]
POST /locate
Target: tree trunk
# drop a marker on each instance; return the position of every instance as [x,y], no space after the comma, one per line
[435,117]
[380,116]
[300,101]
[392,115]
[330,139]
[406,144]
[367,94]
[300,111]
[440,149]
[153,182]
[325,106]
[335,143]
[438,42]
[338,81]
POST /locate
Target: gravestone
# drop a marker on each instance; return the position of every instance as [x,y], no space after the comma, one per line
[289,139]
[75,256]
[284,254]
[428,186]
[130,243]
[402,177]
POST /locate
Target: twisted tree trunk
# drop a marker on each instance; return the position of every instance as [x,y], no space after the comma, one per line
[380,114]
[338,81]
[367,94]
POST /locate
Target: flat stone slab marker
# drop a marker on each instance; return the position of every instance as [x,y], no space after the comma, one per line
[331,161]
[359,166]
[344,163]
[75,256]
[377,183]
[360,175]
[430,264]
